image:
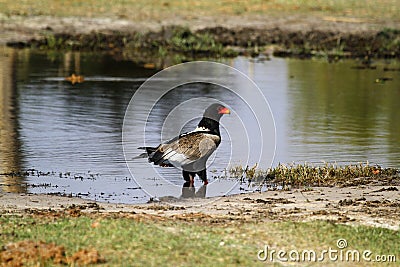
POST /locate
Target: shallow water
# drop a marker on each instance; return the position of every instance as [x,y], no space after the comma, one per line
[322,111]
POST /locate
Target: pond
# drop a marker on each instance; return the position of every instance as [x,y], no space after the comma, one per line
[64,138]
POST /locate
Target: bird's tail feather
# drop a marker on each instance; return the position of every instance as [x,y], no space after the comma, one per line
[141,156]
[149,150]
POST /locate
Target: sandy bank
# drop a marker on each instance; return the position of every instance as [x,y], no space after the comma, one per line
[377,206]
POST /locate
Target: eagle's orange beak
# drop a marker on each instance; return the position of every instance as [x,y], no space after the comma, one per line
[224,111]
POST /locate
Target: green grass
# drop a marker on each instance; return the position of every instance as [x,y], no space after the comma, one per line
[181,41]
[310,175]
[138,10]
[129,242]
[183,45]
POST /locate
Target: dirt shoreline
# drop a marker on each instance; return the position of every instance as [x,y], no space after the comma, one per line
[371,205]
[289,35]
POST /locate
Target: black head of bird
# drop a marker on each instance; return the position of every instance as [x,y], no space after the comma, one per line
[211,117]
[215,111]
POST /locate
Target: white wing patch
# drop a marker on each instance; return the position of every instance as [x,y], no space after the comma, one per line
[175,158]
[198,129]
[201,129]
[179,160]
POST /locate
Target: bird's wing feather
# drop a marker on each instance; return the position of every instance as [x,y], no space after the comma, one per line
[187,148]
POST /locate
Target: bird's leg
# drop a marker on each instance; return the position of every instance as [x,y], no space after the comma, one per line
[203,176]
[189,177]
[186,175]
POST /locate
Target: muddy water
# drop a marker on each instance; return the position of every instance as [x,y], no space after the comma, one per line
[71,133]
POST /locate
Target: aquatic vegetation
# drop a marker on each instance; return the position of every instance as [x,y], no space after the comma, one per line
[327,174]
[186,41]
[52,41]
[220,41]
[183,40]
[169,40]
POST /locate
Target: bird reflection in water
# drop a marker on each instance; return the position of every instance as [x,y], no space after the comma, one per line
[189,191]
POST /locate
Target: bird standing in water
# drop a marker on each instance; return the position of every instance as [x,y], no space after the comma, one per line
[191,150]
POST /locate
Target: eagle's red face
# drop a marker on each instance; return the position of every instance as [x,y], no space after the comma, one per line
[223,110]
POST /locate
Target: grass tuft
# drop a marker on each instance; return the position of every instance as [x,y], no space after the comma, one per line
[315,175]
